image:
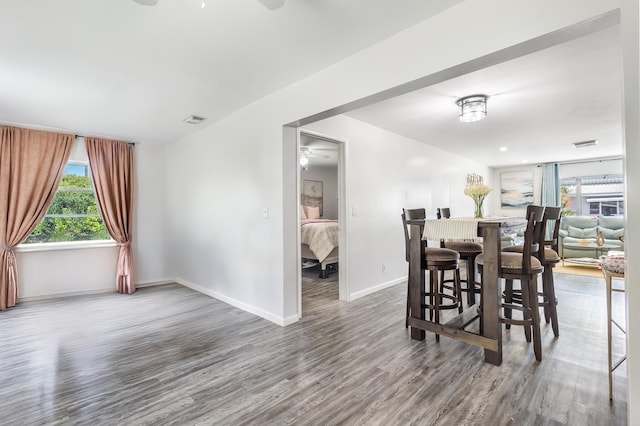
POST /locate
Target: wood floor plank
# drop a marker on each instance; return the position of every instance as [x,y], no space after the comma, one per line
[169,355]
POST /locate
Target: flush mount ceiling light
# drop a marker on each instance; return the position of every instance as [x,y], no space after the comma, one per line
[194,119]
[472,108]
[272,4]
[585,144]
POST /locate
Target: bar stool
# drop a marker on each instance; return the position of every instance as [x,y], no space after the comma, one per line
[612,268]
[435,260]
[468,251]
[549,258]
[524,267]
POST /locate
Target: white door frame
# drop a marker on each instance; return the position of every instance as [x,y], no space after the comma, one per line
[343,283]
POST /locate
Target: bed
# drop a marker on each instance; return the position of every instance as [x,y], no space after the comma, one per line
[319,238]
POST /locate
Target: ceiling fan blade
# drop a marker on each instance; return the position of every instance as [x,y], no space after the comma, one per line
[272,4]
[147,2]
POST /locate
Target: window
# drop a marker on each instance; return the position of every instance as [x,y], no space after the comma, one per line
[73,214]
[592,195]
[606,206]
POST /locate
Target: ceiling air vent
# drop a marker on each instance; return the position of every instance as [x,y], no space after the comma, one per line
[585,144]
[194,119]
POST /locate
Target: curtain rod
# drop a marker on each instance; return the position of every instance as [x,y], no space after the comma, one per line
[594,160]
[83,136]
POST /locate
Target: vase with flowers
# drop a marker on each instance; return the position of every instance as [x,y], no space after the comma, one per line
[478,193]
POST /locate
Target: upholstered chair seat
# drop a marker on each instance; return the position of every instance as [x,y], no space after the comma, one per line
[436,254]
[550,255]
[512,262]
[463,247]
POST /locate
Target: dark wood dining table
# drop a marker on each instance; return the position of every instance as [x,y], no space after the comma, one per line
[490,338]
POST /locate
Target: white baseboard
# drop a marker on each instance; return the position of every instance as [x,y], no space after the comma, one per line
[110,289]
[281,321]
[66,294]
[290,320]
[367,291]
[154,283]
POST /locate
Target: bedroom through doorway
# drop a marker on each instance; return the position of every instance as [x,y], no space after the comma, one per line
[319,183]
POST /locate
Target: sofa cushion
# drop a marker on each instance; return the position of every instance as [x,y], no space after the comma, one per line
[611,222]
[611,234]
[583,232]
[580,222]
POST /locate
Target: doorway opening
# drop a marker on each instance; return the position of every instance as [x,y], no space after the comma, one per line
[322,215]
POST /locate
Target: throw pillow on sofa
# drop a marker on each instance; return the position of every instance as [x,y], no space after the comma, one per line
[612,234]
[583,232]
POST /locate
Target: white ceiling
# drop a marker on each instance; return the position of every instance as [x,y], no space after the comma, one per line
[319,152]
[538,106]
[114,68]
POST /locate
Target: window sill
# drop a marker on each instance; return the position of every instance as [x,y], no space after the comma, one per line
[70,245]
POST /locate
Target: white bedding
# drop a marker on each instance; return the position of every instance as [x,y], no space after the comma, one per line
[321,235]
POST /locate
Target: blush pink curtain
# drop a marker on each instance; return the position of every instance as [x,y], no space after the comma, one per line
[112,170]
[32,164]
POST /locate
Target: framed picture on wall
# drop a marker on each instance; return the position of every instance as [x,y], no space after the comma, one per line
[312,193]
[516,189]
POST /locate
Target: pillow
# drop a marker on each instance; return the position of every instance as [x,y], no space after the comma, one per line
[583,232]
[312,212]
[303,215]
[612,234]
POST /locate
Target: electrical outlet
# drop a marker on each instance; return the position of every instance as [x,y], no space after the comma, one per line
[384,267]
[265,212]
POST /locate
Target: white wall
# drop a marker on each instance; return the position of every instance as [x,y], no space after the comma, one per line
[329,177]
[221,179]
[385,173]
[82,270]
[149,212]
[591,168]
[496,202]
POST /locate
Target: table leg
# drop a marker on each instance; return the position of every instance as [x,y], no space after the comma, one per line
[491,293]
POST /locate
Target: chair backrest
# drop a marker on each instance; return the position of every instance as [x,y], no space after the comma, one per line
[410,214]
[533,236]
[552,223]
[443,213]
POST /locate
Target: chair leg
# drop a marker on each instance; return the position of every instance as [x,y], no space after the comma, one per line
[535,317]
[471,281]
[436,306]
[526,305]
[508,298]
[551,301]
[545,297]
[431,294]
[458,287]
[480,322]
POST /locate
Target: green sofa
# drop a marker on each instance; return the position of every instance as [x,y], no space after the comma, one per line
[577,229]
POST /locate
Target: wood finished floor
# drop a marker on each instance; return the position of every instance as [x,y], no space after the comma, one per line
[170,356]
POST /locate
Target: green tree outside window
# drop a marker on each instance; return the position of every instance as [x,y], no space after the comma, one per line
[73,214]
